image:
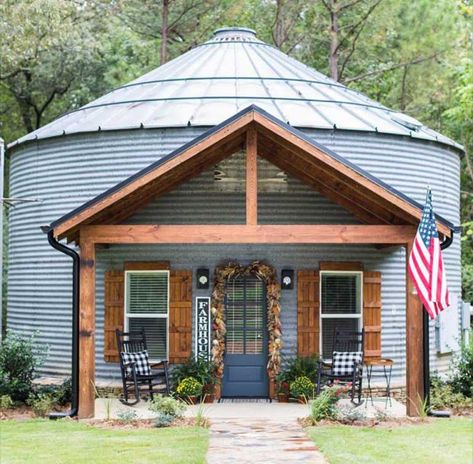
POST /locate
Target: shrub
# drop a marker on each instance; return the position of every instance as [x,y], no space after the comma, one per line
[443,395]
[41,404]
[299,367]
[127,415]
[462,367]
[199,369]
[64,392]
[19,360]
[189,387]
[6,402]
[168,406]
[302,386]
[164,420]
[323,406]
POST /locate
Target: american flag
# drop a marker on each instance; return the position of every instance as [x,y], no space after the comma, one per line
[426,264]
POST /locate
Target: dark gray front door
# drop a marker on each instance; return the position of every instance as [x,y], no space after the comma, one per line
[246,341]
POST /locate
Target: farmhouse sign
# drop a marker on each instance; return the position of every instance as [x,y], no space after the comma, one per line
[202,327]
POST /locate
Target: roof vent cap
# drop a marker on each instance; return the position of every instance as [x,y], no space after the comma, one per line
[234,34]
[406,121]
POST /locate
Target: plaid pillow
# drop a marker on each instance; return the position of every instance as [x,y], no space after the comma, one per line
[141,360]
[342,361]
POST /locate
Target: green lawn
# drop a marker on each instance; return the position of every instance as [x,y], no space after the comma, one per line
[61,442]
[440,442]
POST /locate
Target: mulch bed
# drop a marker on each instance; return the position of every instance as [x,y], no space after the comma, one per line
[23,412]
[307,422]
[137,423]
[389,423]
[18,413]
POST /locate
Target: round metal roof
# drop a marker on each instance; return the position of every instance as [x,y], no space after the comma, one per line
[232,70]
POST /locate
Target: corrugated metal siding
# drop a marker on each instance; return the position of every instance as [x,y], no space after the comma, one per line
[199,201]
[65,172]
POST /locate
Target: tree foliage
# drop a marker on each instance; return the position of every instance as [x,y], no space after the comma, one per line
[414,56]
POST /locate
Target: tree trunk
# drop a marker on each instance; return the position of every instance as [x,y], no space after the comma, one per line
[403,100]
[164,32]
[333,60]
[278,35]
[25,115]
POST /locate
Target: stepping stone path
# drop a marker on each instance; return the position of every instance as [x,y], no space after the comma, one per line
[258,441]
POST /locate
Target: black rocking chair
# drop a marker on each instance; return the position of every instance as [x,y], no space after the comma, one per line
[346,367]
[158,379]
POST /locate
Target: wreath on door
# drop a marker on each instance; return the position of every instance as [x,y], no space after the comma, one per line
[273,294]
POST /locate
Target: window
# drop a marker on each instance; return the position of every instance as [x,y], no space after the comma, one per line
[340,306]
[147,307]
[245,308]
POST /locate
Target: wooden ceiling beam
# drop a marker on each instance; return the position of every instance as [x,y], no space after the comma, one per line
[362,212]
[141,198]
[364,185]
[233,130]
[341,181]
[126,206]
[251,177]
[247,234]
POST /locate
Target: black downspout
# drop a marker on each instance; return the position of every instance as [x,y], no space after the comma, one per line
[426,348]
[75,323]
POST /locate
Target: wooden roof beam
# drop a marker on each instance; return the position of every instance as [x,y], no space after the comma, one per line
[362,212]
[292,141]
[248,234]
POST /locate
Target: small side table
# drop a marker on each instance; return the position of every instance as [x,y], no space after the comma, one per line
[387,365]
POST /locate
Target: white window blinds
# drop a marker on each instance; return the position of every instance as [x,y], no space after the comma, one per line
[147,308]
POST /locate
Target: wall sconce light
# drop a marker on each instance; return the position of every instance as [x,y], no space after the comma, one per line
[203,279]
[287,279]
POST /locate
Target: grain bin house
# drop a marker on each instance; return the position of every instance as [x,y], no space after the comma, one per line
[231,156]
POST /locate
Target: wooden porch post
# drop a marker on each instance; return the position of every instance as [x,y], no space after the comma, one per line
[414,350]
[87,330]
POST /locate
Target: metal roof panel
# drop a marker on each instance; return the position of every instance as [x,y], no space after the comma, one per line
[232,70]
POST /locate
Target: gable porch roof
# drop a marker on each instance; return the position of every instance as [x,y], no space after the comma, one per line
[367,197]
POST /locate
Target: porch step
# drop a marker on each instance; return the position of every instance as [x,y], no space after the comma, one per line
[244,400]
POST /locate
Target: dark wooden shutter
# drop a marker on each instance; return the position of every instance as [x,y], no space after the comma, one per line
[180,316]
[308,320]
[114,312]
[372,314]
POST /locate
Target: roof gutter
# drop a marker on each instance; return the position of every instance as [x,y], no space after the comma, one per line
[426,343]
[75,322]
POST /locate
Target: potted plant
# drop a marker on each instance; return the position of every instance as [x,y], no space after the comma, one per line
[208,392]
[201,370]
[282,388]
[302,388]
[190,389]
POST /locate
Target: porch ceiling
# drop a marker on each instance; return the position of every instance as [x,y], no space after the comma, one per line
[366,197]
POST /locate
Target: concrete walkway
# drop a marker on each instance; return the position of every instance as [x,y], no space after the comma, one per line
[112,409]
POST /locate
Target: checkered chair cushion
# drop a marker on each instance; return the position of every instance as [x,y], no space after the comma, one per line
[141,360]
[342,362]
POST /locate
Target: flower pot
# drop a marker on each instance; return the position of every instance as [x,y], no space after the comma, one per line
[302,399]
[193,399]
[283,398]
[209,398]
[209,388]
